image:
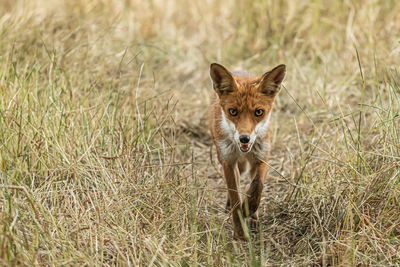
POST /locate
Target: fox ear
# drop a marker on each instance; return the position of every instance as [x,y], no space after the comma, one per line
[271,81]
[223,81]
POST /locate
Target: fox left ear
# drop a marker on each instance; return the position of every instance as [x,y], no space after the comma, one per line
[222,79]
[271,81]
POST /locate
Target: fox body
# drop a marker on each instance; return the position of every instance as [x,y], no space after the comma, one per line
[239,120]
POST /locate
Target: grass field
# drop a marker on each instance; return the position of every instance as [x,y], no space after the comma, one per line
[105,156]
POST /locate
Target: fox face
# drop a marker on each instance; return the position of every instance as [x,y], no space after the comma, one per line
[246,104]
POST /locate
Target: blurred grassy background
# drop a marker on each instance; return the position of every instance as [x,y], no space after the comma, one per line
[104,148]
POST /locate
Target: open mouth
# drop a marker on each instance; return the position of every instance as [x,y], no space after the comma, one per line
[244,147]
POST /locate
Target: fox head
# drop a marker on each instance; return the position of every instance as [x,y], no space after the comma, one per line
[246,102]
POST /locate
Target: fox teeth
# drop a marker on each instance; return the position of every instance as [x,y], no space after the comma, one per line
[244,148]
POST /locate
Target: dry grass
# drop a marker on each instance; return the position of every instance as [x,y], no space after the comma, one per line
[104,148]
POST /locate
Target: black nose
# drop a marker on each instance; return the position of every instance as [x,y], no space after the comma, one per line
[244,139]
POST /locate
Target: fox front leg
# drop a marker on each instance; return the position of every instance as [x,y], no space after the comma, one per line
[237,175]
[253,195]
[234,199]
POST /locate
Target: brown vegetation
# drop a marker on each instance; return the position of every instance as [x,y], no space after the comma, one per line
[104,149]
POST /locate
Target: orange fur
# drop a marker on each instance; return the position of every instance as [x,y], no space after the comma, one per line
[242,108]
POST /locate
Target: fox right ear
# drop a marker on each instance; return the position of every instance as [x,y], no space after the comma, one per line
[223,81]
[271,81]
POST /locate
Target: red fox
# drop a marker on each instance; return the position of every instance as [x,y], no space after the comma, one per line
[239,121]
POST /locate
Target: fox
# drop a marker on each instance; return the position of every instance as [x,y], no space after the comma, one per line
[239,122]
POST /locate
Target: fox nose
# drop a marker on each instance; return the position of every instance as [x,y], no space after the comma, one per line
[244,139]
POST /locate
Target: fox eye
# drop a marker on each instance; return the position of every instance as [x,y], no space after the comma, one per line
[232,111]
[259,112]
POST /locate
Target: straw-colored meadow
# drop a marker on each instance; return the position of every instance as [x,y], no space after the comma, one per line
[105,154]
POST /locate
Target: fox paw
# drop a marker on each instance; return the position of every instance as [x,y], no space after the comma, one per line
[253,223]
[239,237]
